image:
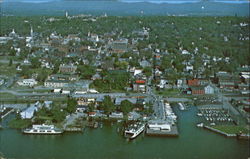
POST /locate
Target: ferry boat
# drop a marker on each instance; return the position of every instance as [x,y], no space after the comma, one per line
[134,130]
[43,129]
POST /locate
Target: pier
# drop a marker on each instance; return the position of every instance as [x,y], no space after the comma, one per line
[173,132]
[7,113]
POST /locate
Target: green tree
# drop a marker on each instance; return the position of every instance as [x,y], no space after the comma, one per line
[147,71]
[57,113]
[126,106]
[108,105]
[42,75]
[10,62]
[35,63]
[71,105]
[86,71]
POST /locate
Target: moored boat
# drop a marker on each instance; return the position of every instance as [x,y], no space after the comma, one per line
[43,129]
[200,125]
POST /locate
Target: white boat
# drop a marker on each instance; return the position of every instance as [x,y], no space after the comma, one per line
[199,114]
[43,129]
[200,125]
[181,106]
[134,130]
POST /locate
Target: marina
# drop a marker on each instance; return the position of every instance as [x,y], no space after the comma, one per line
[215,116]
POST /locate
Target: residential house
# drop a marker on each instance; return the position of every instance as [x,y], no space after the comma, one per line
[63,77]
[27,82]
[29,112]
[119,46]
[116,115]
[63,68]
[56,83]
[209,89]
[139,86]
[197,90]
[193,82]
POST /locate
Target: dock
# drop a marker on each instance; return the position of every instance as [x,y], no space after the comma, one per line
[7,113]
[73,129]
[173,132]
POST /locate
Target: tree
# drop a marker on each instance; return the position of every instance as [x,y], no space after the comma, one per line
[86,71]
[35,63]
[91,106]
[147,71]
[58,114]
[10,62]
[71,105]
[121,65]
[126,106]
[42,75]
[108,105]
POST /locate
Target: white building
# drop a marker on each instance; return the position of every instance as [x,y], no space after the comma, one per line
[27,82]
[209,89]
[29,112]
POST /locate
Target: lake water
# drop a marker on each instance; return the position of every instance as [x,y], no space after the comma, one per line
[126,7]
[106,143]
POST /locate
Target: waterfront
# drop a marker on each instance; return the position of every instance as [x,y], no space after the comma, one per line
[107,143]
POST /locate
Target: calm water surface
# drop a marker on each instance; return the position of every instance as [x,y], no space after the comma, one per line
[106,143]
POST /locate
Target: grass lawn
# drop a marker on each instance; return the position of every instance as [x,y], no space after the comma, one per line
[231,129]
[168,92]
[7,70]
[6,95]
[19,123]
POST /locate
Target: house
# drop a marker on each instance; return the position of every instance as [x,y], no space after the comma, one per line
[119,46]
[226,80]
[29,112]
[81,108]
[133,116]
[139,86]
[92,114]
[27,82]
[209,89]
[63,77]
[116,115]
[145,63]
[48,104]
[56,83]
[63,68]
[197,90]
[162,83]
[193,82]
[226,84]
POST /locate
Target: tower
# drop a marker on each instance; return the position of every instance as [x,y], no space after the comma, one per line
[31,31]
[66,14]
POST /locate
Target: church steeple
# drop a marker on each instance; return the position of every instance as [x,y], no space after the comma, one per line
[66,14]
[31,32]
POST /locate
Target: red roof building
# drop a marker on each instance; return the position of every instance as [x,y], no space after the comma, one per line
[193,82]
[140,82]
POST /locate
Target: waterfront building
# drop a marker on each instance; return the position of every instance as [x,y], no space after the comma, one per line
[29,112]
